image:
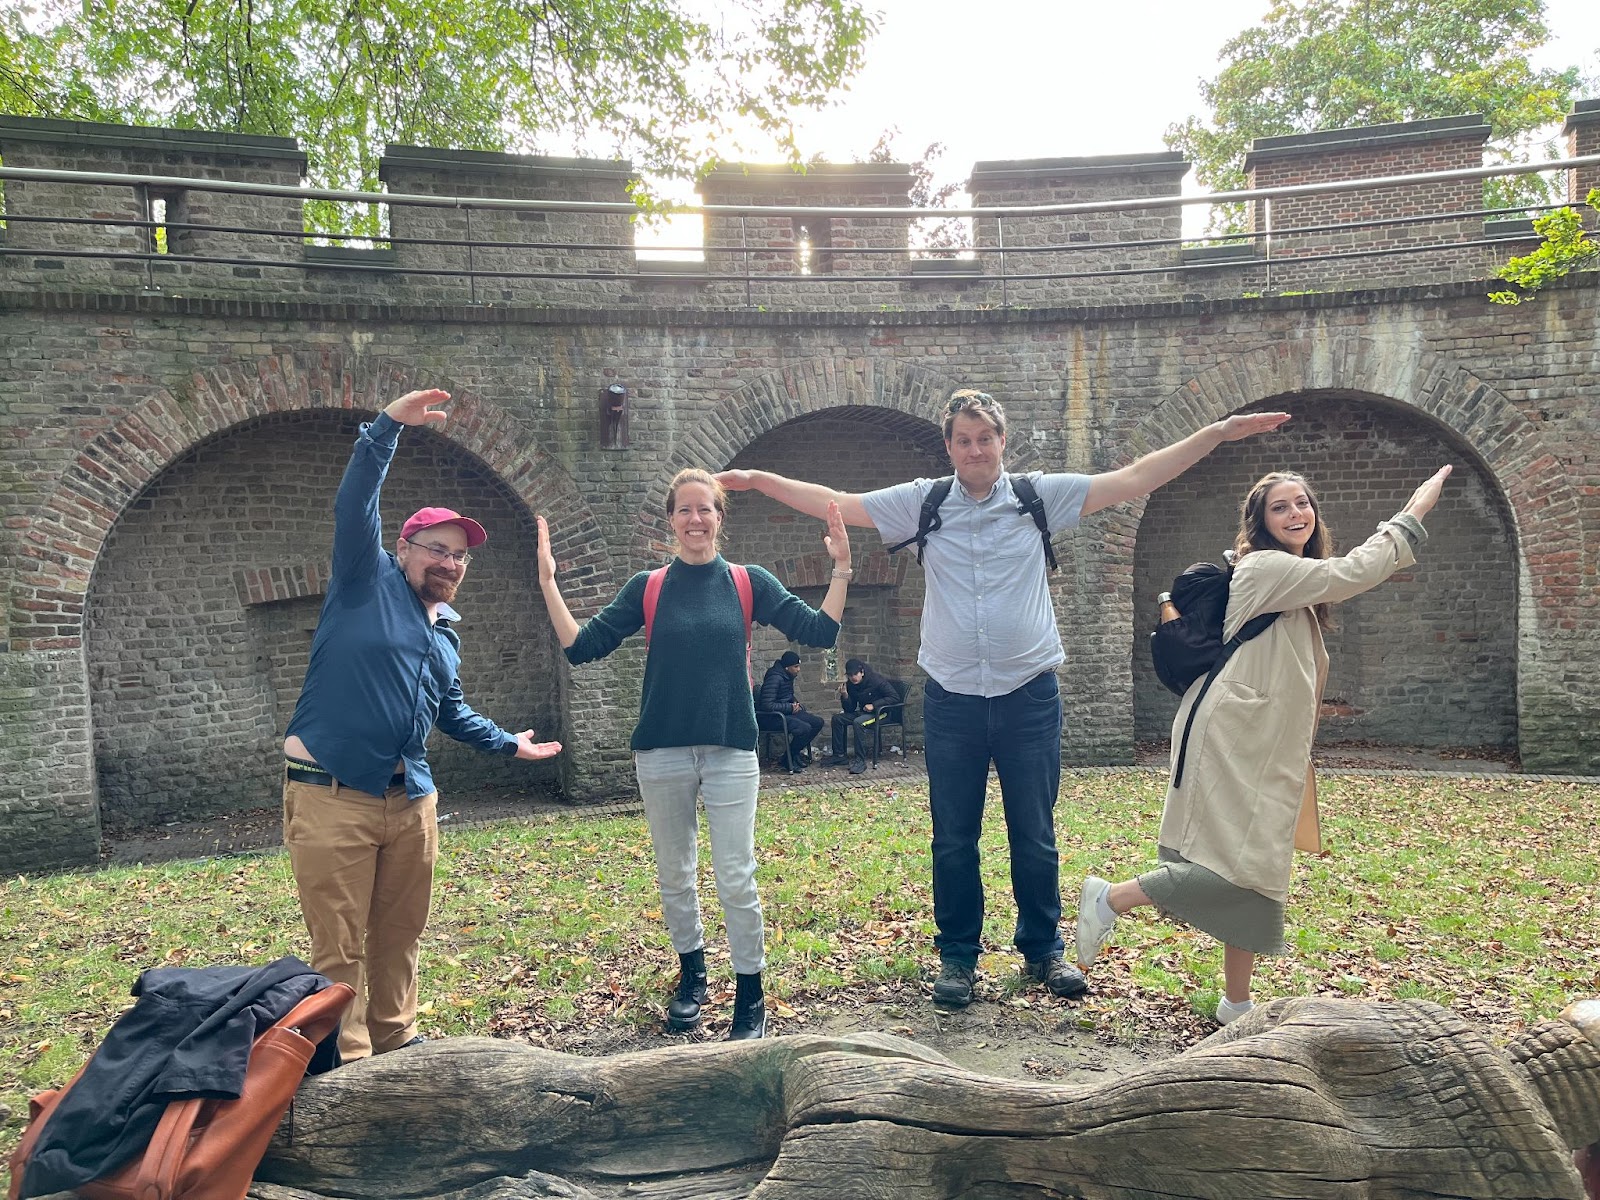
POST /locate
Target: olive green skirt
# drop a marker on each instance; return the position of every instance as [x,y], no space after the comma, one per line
[1195,895]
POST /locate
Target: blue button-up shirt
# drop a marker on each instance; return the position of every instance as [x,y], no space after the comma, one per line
[987,622]
[381,674]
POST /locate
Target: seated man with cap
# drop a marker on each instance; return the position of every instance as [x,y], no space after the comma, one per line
[777,696]
[359,806]
[862,696]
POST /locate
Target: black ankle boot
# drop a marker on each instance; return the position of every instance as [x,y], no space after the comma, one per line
[683,1010]
[749,1009]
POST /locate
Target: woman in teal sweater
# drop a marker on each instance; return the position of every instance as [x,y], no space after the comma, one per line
[696,737]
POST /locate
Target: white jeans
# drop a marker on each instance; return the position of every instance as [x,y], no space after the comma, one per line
[725,779]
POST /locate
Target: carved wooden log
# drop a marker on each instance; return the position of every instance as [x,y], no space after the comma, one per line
[1307,1099]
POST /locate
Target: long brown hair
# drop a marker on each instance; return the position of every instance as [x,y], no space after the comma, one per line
[719,496]
[1253,533]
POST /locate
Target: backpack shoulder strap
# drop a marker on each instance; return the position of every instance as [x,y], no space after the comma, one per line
[1029,504]
[747,601]
[928,520]
[1254,627]
[652,596]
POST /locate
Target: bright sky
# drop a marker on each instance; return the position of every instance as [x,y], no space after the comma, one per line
[1002,79]
[1055,79]
[1008,79]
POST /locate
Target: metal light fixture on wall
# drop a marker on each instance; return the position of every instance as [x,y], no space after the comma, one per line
[614,417]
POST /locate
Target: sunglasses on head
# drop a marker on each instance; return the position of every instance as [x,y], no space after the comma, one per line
[965,400]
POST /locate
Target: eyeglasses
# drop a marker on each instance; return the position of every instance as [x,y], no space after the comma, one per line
[439,553]
[964,400]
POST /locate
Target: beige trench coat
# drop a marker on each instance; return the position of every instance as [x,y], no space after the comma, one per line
[1248,775]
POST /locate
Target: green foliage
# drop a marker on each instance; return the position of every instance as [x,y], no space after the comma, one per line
[649,79]
[1331,64]
[1566,247]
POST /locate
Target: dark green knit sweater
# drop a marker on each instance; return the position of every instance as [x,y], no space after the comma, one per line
[696,691]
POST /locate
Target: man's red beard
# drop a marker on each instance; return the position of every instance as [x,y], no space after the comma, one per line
[438,588]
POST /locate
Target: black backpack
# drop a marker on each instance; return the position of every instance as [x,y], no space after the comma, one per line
[929,521]
[1191,646]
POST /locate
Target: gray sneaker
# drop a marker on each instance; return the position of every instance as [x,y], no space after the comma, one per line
[953,988]
[1053,972]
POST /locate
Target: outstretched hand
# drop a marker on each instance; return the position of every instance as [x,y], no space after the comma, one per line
[1243,425]
[416,408]
[529,749]
[736,481]
[1425,497]
[837,539]
[547,559]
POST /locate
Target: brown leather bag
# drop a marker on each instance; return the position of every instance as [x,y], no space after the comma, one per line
[209,1149]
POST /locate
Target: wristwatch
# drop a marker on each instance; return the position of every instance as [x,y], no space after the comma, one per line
[844,572]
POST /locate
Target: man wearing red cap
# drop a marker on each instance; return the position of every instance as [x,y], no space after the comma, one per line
[359,804]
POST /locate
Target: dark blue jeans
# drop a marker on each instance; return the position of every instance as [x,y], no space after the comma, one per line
[1021,733]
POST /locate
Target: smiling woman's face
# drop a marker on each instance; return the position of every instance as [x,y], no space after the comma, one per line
[1290,515]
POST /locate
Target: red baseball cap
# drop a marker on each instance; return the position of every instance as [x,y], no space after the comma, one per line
[427,518]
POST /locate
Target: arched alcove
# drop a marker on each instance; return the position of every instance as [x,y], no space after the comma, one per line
[1429,658]
[852,450]
[207,590]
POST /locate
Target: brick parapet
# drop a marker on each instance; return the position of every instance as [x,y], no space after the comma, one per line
[519,241]
[1082,243]
[1374,151]
[586,260]
[1582,133]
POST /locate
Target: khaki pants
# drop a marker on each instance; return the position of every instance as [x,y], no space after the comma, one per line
[363,865]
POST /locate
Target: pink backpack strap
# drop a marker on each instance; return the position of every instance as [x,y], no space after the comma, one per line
[741,584]
[652,596]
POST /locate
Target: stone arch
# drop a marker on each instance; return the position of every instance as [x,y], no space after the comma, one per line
[764,404]
[77,526]
[66,534]
[1541,508]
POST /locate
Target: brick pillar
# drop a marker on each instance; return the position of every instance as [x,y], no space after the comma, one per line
[781,247]
[1079,242]
[513,241]
[274,221]
[1582,131]
[1372,151]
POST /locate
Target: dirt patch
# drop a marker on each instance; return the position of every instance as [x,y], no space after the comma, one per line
[1012,1036]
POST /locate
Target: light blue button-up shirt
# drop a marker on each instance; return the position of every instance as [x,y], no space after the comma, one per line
[987,622]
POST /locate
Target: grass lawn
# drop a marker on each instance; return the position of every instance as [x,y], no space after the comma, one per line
[1479,894]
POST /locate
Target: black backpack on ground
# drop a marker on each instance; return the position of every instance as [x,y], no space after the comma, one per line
[1190,646]
[929,521]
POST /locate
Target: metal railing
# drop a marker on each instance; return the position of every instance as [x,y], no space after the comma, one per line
[1263,248]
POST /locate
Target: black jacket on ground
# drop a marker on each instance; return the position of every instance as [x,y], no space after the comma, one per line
[187,1036]
[777,690]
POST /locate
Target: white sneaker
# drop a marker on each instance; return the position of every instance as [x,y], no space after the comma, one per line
[1094,929]
[1228,1012]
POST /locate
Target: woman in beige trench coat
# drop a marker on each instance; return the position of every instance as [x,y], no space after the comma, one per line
[1248,796]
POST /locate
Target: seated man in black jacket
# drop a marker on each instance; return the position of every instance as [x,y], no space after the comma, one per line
[777,696]
[862,697]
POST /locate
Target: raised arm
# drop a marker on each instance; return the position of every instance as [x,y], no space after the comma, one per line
[837,542]
[1163,466]
[561,617]
[1273,581]
[810,498]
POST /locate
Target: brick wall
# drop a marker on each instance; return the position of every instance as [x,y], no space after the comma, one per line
[1431,652]
[194,682]
[1080,243]
[586,260]
[134,426]
[884,607]
[1371,152]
